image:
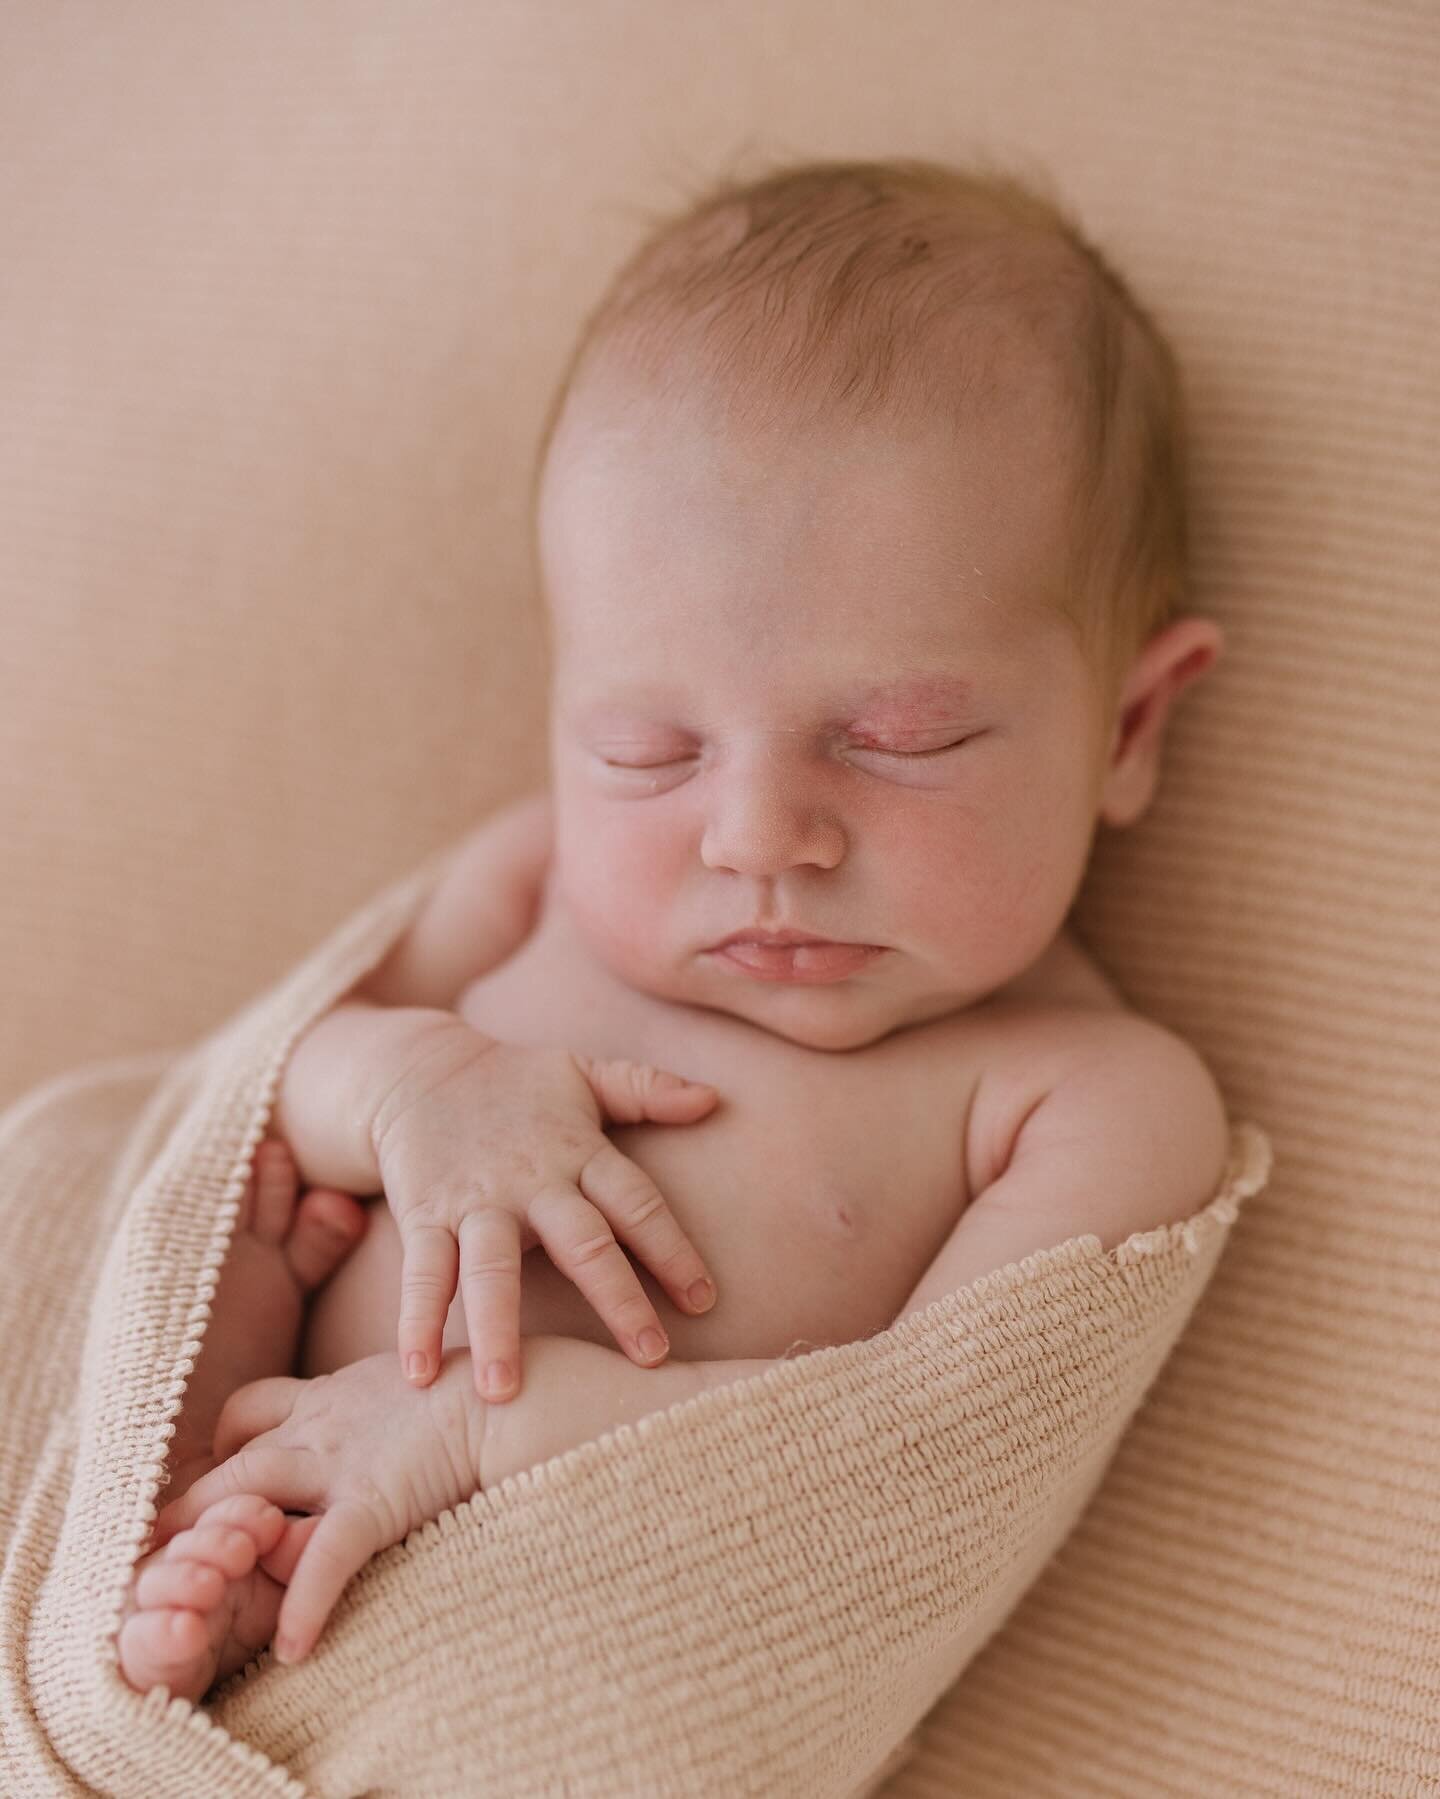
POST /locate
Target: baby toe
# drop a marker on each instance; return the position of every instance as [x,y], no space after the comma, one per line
[262,1522]
[194,1586]
[170,1648]
[247,1509]
[274,1183]
[328,1224]
[223,1546]
[231,1542]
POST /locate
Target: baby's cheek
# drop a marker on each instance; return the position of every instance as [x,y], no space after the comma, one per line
[982,903]
[614,885]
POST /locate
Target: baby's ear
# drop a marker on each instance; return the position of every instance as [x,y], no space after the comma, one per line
[1206,646]
[1172,659]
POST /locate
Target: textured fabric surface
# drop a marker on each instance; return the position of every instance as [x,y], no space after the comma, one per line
[762,1590]
[284,291]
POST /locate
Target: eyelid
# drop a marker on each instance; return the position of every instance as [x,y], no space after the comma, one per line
[662,761]
[943,749]
[866,749]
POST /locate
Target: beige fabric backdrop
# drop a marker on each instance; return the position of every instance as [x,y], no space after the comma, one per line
[282,293]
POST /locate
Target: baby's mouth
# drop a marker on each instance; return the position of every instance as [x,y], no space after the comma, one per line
[814,958]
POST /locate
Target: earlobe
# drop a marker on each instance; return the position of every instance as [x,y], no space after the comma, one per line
[1129,787]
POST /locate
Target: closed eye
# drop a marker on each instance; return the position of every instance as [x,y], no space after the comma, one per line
[645,768]
[868,749]
[871,749]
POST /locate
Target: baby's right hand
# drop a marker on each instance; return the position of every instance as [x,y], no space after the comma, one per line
[486,1149]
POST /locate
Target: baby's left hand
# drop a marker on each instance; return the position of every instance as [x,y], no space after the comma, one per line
[375,1454]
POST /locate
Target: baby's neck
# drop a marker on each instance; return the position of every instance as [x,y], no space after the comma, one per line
[1065,974]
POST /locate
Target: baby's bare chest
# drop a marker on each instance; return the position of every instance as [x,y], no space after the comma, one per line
[819,1189]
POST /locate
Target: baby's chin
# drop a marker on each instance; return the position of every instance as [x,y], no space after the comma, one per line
[844,1015]
[835,1027]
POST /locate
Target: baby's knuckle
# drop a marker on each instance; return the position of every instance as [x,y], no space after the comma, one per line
[591,1249]
[554,1201]
[601,1155]
[641,1201]
[432,1211]
[421,1284]
[492,1268]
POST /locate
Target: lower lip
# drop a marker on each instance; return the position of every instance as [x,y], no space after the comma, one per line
[809,963]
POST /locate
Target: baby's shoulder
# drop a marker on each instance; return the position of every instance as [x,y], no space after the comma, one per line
[1091,1071]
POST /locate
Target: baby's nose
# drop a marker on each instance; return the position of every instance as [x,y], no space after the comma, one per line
[762,825]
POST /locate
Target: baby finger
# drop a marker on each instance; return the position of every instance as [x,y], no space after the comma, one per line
[289,1478]
[427,1285]
[490,1258]
[640,1217]
[345,1539]
[582,1246]
[258,1406]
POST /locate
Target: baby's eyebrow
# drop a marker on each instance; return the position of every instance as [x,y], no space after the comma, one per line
[917,692]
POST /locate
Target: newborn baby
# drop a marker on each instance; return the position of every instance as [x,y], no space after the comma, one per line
[860,531]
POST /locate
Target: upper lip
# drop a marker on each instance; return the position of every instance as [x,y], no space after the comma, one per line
[754,934]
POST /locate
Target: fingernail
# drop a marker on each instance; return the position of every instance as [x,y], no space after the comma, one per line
[652,1345]
[284,1648]
[701,1295]
[497,1379]
[416,1365]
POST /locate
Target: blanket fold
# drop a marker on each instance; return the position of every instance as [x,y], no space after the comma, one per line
[761,1590]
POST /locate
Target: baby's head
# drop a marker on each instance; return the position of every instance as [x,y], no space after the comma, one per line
[861,531]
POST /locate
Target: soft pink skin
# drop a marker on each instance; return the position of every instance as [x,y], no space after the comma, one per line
[725,601]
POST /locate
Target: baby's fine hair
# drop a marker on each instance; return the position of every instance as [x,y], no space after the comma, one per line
[850,290]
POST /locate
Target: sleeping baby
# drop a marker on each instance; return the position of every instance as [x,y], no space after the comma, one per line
[859,520]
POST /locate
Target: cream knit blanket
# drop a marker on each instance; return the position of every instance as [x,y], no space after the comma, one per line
[760,1591]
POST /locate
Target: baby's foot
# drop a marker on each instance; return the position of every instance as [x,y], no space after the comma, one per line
[279,1254]
[203,1606]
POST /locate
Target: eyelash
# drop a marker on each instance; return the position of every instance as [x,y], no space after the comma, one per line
[866,749]
[915,755]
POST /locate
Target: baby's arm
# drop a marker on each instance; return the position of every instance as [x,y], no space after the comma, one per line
[339,1073]
[576,1391]
[482,910]
[1131,1135]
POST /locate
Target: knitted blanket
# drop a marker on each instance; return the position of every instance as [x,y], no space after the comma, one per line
[761,1590]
